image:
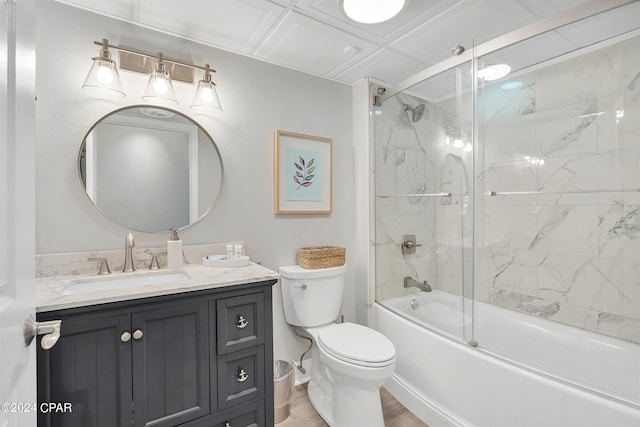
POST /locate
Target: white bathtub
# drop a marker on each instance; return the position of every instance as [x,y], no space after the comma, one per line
[447,382]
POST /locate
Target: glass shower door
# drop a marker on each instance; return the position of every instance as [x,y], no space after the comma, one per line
[423,148]
[557,208]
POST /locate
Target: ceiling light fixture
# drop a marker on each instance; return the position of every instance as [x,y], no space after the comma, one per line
[371,11]
[494,72]
[162,71]
[104,72]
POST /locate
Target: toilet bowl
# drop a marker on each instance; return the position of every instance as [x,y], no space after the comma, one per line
[350,362]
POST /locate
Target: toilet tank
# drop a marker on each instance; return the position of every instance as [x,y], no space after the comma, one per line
[311,297]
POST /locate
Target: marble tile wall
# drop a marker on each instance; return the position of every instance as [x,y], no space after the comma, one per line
[571,255]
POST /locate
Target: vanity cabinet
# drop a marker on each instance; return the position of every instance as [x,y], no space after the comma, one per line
[201,358]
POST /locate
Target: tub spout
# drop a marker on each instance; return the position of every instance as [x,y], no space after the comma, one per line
[410,282]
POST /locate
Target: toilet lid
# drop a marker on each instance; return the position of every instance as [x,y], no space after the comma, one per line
[357,344]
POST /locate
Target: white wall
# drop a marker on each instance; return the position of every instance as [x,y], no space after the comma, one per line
[257,98]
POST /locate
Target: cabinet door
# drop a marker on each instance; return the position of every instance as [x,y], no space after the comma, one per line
[170,349]
[90,368]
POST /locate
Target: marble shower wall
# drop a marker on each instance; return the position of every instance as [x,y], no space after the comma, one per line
[571,257]
[571,127]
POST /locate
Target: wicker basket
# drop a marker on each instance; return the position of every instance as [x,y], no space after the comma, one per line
[321,256]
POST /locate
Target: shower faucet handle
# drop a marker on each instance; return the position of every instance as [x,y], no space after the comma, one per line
[409,244]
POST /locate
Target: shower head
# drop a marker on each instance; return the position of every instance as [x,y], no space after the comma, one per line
[416,112]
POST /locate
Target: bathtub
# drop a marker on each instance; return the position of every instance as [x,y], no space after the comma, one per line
[526,371]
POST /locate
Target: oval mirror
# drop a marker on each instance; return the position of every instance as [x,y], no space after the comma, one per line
[150,168]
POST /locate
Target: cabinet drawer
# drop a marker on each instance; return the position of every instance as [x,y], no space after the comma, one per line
[247,416]
[241,377]
[239,322]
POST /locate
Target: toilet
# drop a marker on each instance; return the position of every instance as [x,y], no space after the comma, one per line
[350,362]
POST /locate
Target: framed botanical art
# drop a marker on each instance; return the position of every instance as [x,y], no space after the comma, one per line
[303,170]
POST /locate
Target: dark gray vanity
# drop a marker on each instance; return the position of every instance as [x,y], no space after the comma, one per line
[197,358]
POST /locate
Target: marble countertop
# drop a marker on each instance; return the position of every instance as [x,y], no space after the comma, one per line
[50,291]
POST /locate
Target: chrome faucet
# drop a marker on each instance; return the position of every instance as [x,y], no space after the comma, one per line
[129,243]
[410,282]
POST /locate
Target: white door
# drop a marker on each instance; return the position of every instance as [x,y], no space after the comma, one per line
[17,211]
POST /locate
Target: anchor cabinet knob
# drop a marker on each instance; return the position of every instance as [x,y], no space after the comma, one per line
[242,322]
[242,376]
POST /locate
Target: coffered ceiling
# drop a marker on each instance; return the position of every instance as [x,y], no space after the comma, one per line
[316,37]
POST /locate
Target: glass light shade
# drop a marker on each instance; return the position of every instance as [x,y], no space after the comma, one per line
[160,88]
[104,75]
[206,97]
[371,11]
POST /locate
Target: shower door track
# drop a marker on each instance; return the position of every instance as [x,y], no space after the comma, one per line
[570,16]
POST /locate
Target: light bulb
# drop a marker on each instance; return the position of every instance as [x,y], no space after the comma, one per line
[458,143]
[104,74]
[206,94]
[160,86]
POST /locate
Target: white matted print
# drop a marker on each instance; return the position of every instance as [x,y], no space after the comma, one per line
[303,172]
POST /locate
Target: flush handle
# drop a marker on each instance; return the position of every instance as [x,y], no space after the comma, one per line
[242,323]
[300,285]
[242,376]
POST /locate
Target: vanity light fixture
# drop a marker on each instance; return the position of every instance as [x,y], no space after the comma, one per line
[162,72]
[371,11]
[104,72]
[160,86]
[206,96]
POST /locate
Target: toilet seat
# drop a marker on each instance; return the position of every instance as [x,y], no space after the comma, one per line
[357,344]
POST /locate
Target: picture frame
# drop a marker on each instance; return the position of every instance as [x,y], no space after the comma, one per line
[303,173]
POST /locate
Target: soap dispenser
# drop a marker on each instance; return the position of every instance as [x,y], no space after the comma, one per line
[174,249]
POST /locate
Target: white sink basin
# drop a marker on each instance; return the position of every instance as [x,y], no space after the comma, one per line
[123,281]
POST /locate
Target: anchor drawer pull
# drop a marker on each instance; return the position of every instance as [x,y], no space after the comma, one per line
[242,376]
[242,323]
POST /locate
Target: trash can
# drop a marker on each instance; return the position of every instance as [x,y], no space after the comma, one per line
[283,378]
